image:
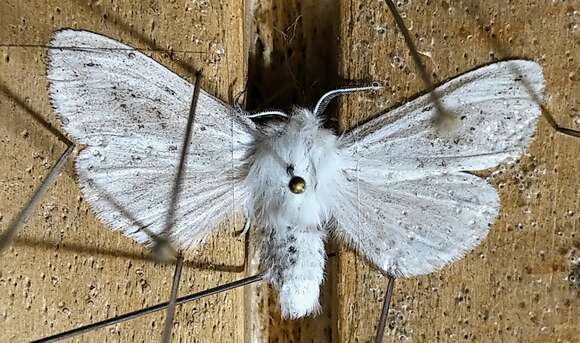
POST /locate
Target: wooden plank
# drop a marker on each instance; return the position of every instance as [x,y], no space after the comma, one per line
[514,286]
[66,268]
[292,61]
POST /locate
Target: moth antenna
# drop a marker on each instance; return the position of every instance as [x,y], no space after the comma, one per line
[321,106]
[267,113]
[324,100]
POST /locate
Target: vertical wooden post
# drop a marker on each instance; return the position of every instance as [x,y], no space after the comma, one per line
[513,287]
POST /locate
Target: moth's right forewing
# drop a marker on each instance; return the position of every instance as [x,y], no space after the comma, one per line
[495,107]
[131,112]
[405,203]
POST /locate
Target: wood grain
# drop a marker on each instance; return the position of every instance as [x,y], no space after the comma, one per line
[514,286]
[292,61]
[65,268]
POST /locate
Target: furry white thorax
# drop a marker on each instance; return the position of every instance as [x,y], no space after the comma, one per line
[293,225]
[300,147]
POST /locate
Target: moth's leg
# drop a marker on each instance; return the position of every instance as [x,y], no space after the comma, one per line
[247,226]
[325,99]
[237,103]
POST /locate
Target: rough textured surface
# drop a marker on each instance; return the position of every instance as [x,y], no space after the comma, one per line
[66,268]
[514,286]
[131,113]
[410,207]
[288,65]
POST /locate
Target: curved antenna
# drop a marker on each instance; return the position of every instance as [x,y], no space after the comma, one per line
[267,113]
[239,108]
[327,97]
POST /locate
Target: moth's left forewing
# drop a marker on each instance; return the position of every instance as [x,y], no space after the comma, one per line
[407,204]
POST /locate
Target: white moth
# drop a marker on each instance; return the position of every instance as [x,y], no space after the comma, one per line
[393,188]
